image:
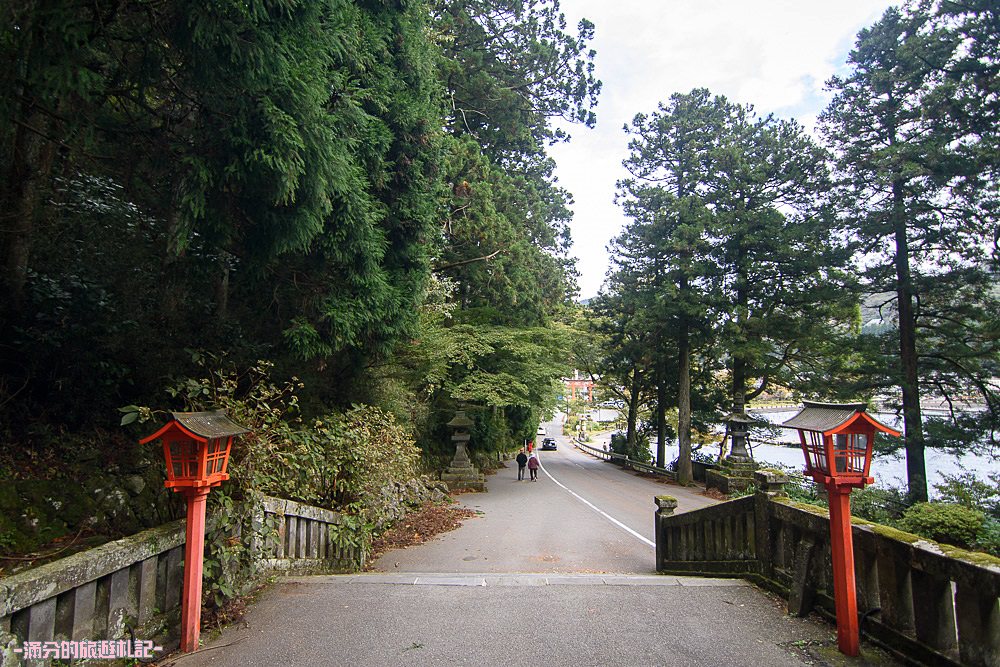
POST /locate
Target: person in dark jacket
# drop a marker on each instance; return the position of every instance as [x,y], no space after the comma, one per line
[522,460]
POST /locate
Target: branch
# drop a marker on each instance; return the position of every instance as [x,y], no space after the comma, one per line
[58,142]
[467,261]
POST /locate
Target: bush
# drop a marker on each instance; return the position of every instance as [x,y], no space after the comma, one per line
[944,522]
[339,461]
[878,504]
[988,539]
[637,452]
[968,490]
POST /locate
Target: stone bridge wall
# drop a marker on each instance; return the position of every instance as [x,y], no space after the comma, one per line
[137,581]
[932,604]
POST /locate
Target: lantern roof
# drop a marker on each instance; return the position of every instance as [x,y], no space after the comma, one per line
[830,418]
[211,425]
[460,420]
[201,426]
[739,418]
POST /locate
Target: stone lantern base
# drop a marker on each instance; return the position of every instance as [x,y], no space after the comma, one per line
[731,476]
[461,474]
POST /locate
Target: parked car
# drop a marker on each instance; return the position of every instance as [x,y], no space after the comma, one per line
[549,444]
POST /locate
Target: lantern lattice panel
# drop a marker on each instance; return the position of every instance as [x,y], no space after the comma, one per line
[217,457]
[182,459]
[842,454]
[815,451]
[849,453]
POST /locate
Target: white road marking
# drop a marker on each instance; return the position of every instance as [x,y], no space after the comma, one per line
[595,507]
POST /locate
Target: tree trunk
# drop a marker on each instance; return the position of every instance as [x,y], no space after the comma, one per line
[172,295]
[633,408]
[30,163]
[685,474]
[916,471]
[222,289]
[661,413]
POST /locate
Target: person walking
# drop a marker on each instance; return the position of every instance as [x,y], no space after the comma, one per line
[533,467]
[522,460]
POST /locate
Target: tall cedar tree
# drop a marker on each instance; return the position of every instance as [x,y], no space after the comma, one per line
[784,272]
[250,178]
[713,179]
[669,175]
[510,70]
[913,125]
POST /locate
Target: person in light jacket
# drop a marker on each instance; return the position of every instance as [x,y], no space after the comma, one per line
[533,467]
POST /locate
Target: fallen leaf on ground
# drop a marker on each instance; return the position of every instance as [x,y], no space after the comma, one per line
[424,524]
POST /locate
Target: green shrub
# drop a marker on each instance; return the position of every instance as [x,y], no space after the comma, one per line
[969,490]
[944,522]
[884,505]
[639,451]
[988,539]
[341,461]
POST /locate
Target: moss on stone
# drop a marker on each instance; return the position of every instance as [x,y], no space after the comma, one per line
[975,557]
[805,507]
[888,531]
[666,498]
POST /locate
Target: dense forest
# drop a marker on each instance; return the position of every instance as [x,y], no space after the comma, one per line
[753,248]
[334,218]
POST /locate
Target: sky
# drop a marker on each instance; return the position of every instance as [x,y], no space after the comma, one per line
[773,54]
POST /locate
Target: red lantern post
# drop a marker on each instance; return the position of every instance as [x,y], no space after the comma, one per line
[196,447]
[837,443]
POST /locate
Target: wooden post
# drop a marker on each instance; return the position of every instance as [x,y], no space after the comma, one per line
[194,549]
[844,590]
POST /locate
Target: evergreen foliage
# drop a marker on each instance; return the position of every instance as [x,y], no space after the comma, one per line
[731,247]
[863,269]
[291,181]
[912,126]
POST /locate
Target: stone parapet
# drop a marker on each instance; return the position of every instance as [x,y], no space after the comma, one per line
[136,582]
[929,603]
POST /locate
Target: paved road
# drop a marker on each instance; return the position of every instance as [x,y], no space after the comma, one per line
[529,620]
[553,572]
[582,515]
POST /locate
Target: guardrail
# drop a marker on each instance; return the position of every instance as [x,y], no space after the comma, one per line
[625,462]
[305,541]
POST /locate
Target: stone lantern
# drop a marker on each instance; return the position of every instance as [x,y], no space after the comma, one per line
[461,474]
[735,472]
[738,424]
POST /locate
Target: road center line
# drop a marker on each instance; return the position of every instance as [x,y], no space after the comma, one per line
[595,507]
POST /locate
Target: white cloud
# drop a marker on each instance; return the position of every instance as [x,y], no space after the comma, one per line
[776,55]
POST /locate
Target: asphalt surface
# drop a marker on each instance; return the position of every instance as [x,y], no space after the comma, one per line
[554,572]
[582,515]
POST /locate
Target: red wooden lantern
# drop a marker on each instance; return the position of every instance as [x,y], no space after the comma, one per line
[837,443]
[196,447]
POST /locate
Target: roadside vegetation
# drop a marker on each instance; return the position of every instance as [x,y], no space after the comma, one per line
[761,262]
[335,220]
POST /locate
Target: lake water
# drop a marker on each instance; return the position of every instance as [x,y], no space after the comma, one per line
[887,470]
